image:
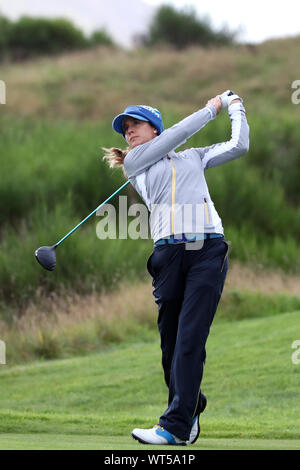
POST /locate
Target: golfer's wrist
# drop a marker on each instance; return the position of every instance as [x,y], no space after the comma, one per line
[212,110]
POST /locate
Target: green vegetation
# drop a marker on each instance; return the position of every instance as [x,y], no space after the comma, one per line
[100,37]
[14,441]
[30,37]
[57,177]
[250,380]
[96,84]
[68,325]
[57,118]
[182,28]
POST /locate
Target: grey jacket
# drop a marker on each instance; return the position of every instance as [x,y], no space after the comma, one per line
[172,184]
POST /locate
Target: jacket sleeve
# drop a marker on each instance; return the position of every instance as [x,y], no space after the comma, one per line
[143,156]
[238,145]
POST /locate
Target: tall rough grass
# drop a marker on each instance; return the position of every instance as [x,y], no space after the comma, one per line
[98,83]
[69,324]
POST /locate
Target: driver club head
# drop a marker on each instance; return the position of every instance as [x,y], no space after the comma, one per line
[46,256]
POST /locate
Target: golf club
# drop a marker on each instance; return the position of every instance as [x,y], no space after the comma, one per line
[46,255]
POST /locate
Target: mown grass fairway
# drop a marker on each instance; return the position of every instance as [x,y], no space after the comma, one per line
[94,401]
[86,442]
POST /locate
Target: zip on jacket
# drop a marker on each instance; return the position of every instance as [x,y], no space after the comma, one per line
[172,182]
[173,194]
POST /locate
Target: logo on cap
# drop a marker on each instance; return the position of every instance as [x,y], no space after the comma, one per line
[152,110]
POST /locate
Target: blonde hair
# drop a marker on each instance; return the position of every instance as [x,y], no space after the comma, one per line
[115,157]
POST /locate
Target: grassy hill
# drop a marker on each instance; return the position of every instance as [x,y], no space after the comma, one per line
[97,84]
[96,400]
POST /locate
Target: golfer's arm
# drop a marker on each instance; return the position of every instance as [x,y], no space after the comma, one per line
[238,145]
[143,156]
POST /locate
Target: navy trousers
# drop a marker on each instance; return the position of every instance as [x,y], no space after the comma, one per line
[187,288]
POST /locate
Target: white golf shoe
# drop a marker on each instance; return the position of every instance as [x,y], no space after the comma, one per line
[156,435]
[195,431]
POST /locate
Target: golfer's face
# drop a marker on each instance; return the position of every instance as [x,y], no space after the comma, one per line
[137,132]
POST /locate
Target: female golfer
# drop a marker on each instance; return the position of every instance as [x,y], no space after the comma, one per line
[189,260]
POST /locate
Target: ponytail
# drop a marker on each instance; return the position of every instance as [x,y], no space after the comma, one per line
[115,157]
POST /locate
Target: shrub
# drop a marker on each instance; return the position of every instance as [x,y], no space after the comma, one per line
[182,28]
[32,36]
[5,33]
[28,37]
[101,37]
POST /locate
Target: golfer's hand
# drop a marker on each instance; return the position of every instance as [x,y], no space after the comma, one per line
[228,98]
[216,102]
[236,101]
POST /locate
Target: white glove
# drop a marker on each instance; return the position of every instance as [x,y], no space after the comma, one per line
[227,97]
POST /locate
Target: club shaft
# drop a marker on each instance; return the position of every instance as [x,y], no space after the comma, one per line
[92,213]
